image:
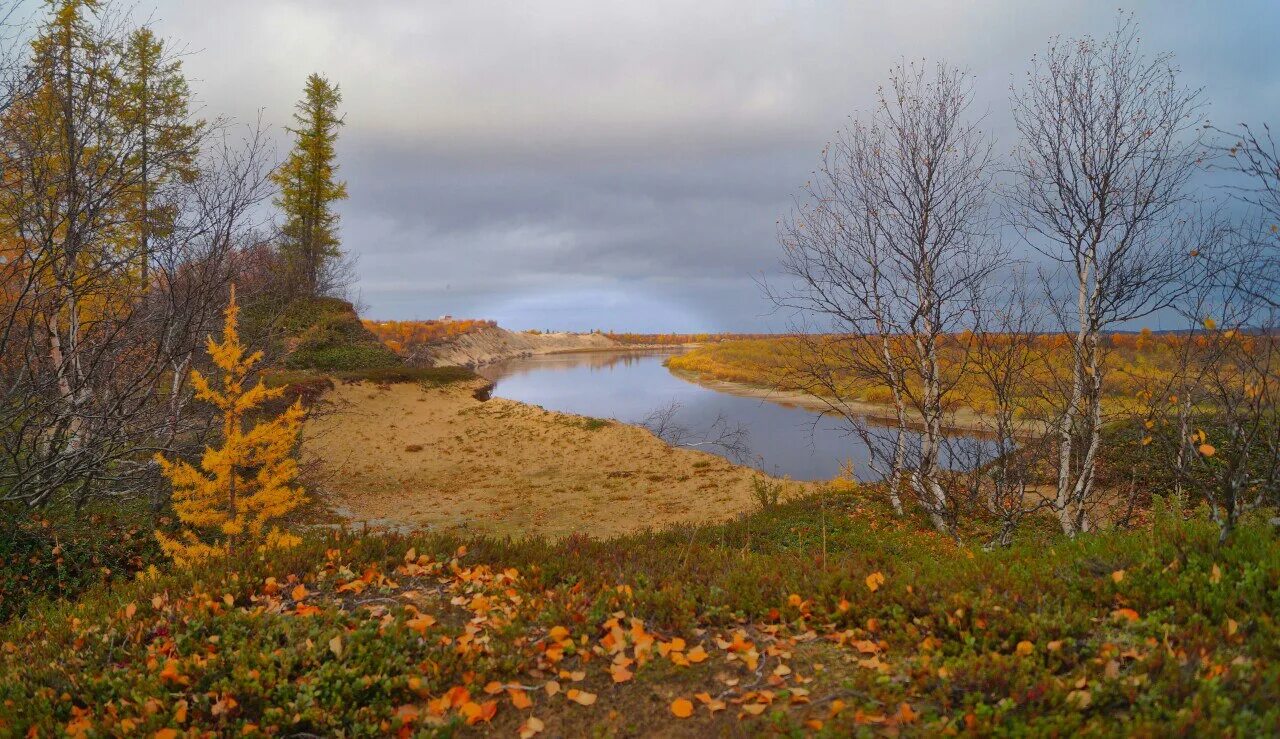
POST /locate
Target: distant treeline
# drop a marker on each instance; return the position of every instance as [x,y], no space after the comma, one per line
[704,338]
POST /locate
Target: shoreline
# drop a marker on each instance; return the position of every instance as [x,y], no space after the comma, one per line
[964,420]
[412,457]
[620,348]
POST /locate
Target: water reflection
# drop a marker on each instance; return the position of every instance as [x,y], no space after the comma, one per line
[631,386]
[575,361]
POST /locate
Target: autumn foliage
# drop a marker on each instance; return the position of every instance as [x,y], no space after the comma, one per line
[733,631]
[669,339]
[242,486]
[1134,361]
[404,336]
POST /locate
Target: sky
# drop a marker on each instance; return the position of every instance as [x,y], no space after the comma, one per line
[622,166]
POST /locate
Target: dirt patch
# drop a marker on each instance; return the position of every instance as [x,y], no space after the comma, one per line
[506,468]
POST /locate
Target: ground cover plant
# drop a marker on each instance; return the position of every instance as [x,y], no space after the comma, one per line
[821,616]
[328,336]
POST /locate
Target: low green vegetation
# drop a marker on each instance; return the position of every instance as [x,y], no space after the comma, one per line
[587,423]
[326,335]
[823,615]
[325,342]
[429,376]
[59,553]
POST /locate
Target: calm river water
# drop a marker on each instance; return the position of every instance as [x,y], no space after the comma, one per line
[629,386]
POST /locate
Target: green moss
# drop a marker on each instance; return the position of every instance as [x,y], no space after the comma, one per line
[339,358]
[304,313]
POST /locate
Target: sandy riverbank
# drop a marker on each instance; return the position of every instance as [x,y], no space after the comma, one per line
[490,345]
[961,419]
[406,456]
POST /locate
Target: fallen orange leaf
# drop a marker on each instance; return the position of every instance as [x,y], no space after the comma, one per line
[170,671]
[1125,613]
[581,697]
[620,673]
[519,698]
[531,726]
[475,713]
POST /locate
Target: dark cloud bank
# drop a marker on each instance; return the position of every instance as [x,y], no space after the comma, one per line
[622,166]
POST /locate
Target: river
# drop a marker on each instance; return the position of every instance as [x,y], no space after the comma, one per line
[781,440]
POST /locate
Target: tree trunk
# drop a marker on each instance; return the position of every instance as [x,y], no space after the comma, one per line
[1064,501]
[900,441]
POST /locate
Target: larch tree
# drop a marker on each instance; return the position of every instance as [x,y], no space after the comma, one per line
[85,349]
[155,105]
[60,202]
[309,187]
[242,486]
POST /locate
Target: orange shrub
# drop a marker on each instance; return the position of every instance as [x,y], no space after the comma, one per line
[401,336]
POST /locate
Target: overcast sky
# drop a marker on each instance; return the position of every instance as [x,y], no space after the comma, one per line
[579,165]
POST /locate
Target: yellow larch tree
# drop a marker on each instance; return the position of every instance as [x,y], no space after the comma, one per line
[240,487]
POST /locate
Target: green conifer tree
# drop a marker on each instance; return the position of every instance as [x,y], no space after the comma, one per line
[154,106]
[309,187]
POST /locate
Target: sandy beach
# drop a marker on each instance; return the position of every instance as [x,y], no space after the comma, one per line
[408,456]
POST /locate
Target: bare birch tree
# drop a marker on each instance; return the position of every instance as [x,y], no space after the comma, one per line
[1107,146]
[1225,438]
[86,345]
[889,249]
[1006,364]
[1226,444]
[1252,152]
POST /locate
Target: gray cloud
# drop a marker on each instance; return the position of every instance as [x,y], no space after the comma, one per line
[622,165]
